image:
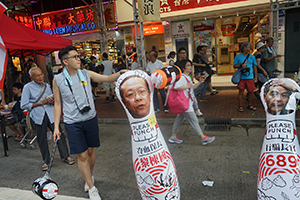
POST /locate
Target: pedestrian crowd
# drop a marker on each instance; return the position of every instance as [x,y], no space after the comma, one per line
[72,92]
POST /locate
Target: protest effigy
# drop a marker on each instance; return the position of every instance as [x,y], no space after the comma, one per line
[153,164]
[279,173]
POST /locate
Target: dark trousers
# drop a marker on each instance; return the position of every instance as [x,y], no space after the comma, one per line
[41,133]
[155,97]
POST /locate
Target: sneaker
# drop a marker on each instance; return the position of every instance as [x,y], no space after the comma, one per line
[203,100]
[175,140]
[166,110]
[86,187]
[94,194]
[207,140]
[113,100]
[214,93]
[157,110]
[198,113]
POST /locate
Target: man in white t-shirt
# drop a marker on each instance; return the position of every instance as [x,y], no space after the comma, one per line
[108,70]
[94,51]
[153,65]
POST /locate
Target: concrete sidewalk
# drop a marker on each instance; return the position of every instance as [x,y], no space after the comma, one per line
[17,194]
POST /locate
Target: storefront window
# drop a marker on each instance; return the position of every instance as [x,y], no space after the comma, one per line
[230,32]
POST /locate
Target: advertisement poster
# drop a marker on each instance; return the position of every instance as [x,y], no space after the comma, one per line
[279,172]
[153,164]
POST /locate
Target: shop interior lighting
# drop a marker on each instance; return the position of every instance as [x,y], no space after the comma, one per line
[221,16]
[254,12]
[237,14]
[205,18]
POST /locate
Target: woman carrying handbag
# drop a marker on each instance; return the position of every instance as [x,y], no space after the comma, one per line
[185,84]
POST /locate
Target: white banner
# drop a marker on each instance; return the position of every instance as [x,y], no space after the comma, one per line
[149,10]
[181,29]
[153,164]
[279,171]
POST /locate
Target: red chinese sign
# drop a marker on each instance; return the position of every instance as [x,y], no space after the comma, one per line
[69,21]
[110,17]
[23,19]
[176,5]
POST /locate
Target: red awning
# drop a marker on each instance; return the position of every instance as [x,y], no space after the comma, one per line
[20,39]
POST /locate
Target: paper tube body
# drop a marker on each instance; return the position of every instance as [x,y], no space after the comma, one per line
[279,172]
[153,164]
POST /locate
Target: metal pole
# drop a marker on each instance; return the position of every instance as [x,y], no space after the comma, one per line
[271,19]
[216,50]
[139,38]
[142,55]
[258,23]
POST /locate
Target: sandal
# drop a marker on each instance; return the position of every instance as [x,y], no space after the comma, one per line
[69,161]
[251,107]
[241,109]
[45,167]
[18,138]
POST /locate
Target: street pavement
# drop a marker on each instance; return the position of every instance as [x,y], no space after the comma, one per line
[231,161]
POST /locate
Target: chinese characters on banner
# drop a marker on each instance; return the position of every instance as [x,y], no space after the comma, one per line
[181,29]
[148,10]
[176,5]
[228,29]
[73,21]
[279,171]
[23,19]
[109,15]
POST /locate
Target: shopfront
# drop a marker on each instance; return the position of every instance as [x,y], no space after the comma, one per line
[222,25]
[225,35]
[154,38]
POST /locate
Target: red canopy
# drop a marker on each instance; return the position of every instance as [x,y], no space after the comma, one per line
[20,39]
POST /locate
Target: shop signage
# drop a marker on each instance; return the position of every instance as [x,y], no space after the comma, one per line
[228,29]
[204,25]
[168,36]
[128,35]
[148,10]
[181,29]
[177,5]
[69,21]
[23,19]
[151,30]
[110,16]
[243,39]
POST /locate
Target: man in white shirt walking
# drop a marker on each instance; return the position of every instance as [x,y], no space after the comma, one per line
[108,70]
[153,65]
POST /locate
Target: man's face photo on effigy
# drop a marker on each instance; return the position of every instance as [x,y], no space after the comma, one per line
[135,94]
[277,98]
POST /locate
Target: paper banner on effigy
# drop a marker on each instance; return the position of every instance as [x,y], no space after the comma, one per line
[153,164]
[279,170]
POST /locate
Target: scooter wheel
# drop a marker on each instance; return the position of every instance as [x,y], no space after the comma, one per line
[23,146]
[32,146]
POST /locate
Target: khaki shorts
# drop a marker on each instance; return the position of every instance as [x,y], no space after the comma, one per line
[108,86]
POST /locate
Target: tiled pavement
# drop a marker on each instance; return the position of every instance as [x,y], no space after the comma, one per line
[223,105]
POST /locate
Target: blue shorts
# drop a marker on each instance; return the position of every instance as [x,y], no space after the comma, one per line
[83,135]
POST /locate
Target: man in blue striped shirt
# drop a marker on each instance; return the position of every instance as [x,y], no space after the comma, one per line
[42,115]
